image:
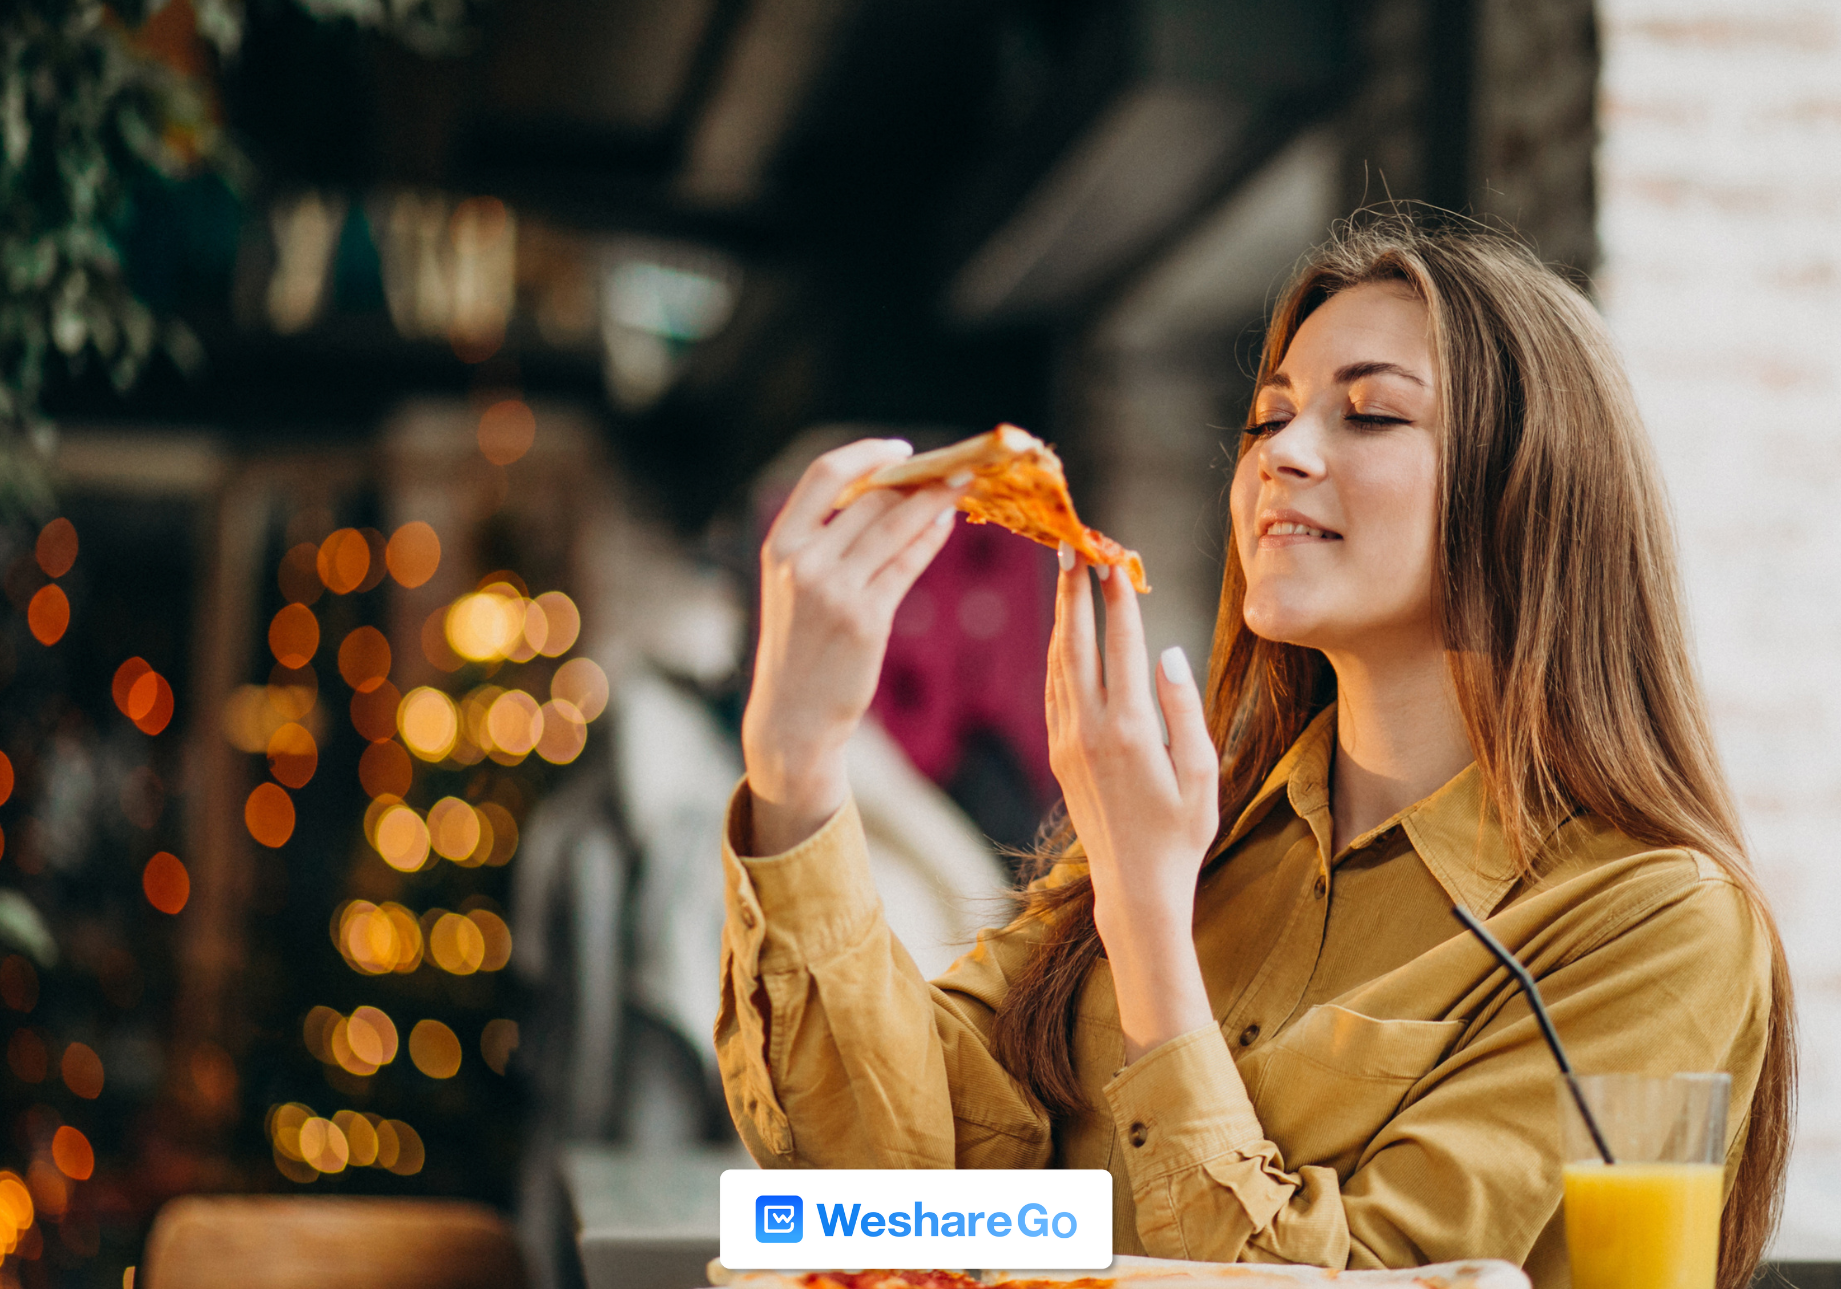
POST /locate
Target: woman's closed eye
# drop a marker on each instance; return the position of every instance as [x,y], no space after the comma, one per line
[1375,420]
[1265,428]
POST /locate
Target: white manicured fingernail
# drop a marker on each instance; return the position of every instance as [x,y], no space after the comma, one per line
[1175,664]
[1102,571]
[1065,554]
[943,519]
[958,478]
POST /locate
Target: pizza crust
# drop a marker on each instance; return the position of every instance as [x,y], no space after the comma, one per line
[1017,483]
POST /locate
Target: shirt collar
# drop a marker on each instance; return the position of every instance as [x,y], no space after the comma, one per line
[1455,831]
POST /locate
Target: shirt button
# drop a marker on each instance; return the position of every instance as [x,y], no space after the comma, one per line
[1248,1034]
[1321,888]
[747,917]
[1139,1134]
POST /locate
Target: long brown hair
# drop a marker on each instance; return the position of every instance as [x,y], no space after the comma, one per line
[1561,611]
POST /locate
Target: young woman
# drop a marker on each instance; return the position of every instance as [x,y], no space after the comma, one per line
[1450,668]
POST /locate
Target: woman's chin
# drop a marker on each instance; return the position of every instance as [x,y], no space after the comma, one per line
[1280,623]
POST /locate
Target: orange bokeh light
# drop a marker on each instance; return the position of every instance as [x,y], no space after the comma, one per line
[372,1036]
[402,839]
[456,945]
[269,815]
[343,560]
[323,1145]
[48,615]
[293,756]
[81,1069]
[299,574]
[57,547]
[582,684]
[506,431]
[150,703]
[413,553]
[294,636]
[71,1152]
[515,724]
[385,769]
[453,829]
[504,832]
[364,659]
[166,883]
[399,1148]
[6,777]
[495,937]
[497,1041]
[374,711]
[429,723]
[564,735]
[434,1049]
[562,624]
[123,684]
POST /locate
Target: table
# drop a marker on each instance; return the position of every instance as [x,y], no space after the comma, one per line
[645,1220]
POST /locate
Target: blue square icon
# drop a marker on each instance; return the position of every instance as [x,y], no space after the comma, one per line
[779,1219]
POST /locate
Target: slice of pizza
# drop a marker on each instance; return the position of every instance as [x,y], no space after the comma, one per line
[1017,483]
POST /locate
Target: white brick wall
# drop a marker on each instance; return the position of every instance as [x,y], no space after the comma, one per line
[1720,219]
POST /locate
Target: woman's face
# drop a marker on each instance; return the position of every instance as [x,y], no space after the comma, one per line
[1335,500]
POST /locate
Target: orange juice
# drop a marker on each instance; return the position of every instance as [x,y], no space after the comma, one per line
[1643,1226]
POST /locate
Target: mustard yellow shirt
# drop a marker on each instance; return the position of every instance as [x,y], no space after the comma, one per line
[1376,1092]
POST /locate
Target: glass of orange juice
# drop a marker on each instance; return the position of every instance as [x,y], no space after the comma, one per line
[1652,1219]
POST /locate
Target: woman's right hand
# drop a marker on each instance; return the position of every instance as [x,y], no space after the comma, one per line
[829,591]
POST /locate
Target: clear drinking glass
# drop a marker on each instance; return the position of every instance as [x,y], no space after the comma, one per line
[1652,1219]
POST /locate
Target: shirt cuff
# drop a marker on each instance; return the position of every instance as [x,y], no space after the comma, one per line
[1182,1103]
[803,905]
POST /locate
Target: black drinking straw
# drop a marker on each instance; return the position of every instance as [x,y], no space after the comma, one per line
[1552,1035]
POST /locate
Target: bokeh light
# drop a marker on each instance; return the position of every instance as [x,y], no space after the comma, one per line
[166,883]
[562,623]
[338,1042]
[484,625]
[453,828]
[71,1152]
[294,636]
[293,691]
[323,1145]
[497,1042]
[27,1056]
[377,939]
[456,945]
[343,561]
[435,1050]
[514,722]
[495,936]
[582,684]
[429,723]
[372,1036]
[57,547]
[6,778]
[293,756]
[399,1148]
[314,1029]
[123,683]
[506,431]
[402,839]
[299,574]
[565,732]
[360,1137]
[413,553]
[504,832]
[374,712]
[385,769]
[81,1070]
[150,703]
[18,983]
[364,659]
[48,615]
[269,815]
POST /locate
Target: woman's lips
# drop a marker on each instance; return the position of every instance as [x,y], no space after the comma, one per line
[1288,532]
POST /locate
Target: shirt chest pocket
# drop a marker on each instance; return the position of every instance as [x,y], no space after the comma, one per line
[1325,1087]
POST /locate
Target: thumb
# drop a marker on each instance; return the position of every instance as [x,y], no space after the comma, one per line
[1192,751]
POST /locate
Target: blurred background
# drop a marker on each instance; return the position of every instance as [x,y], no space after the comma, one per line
[394,393]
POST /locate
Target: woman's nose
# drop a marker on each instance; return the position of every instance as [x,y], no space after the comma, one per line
[1295,452]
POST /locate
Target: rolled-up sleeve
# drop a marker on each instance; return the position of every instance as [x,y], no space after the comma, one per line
[834,1051]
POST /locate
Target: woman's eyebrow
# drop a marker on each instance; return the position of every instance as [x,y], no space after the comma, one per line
[1356,371]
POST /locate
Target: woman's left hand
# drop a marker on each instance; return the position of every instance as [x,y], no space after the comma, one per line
[1145,813]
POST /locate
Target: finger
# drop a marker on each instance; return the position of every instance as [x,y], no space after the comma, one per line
[1192,751]
[818,487]
[1078,651]
[896,577]
[1127,669]
[879,543]
[848,524]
